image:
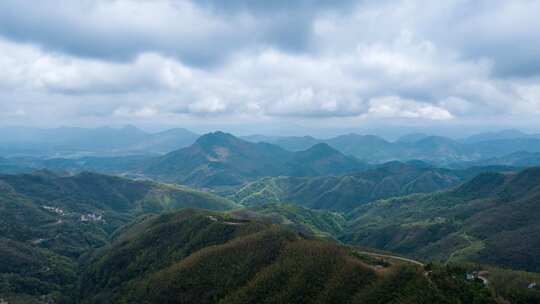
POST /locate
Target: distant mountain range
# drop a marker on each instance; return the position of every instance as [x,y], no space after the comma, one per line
[13,166]
[221,159]
[68,141]
[501,135]
[491,219]
[435,149]
[518,159]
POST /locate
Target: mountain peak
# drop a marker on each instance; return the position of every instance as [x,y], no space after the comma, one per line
[322,149]
[217,138]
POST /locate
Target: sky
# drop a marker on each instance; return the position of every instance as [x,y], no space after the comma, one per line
[281,67]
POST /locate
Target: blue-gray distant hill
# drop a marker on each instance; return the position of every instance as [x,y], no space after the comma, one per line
[434,149]
[69,141]
[221,159]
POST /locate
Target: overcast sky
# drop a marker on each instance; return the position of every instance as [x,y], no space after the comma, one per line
[274,65]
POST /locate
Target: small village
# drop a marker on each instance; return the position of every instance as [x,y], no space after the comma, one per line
[88,217]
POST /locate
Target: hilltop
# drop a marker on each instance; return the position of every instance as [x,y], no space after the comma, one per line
[221,159]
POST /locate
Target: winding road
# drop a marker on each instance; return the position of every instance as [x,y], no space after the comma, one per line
[481,277]
[392,257]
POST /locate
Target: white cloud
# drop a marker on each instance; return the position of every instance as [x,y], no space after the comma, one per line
[380,60]
[395,107]
[144,112]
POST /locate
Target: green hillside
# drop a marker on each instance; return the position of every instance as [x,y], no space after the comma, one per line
[204,257]
[307,221]
[92,238]
[222,160]
[491,219]
[48,221]
[344,193]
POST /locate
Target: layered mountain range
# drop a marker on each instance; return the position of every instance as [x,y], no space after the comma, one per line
[108,233]
[69,141]
[314,223]
[434,149]
[221,159]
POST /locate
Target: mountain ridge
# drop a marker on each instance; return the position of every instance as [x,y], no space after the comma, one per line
[221,159]
[491,219]
[280,266]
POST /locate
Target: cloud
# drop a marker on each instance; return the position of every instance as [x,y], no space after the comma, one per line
[144,112]
[201,33]
[310,102]
[345,62]
[30,67]
[393,106]
[116,30]
[503,32]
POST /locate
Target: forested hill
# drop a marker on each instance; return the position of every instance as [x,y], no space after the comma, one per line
[47,222]
[203,257]
[346,192]
[221,159]
[491,219]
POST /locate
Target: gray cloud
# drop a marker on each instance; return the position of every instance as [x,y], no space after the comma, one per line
[207,32]
[344,62]
[505,32]
[118,30]
[201,33]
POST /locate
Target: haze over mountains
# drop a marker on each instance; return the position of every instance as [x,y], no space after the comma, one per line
[220,159]
[222,162]
[269,152]
[436,149]
[69,141]
[126,239]
[79,142]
